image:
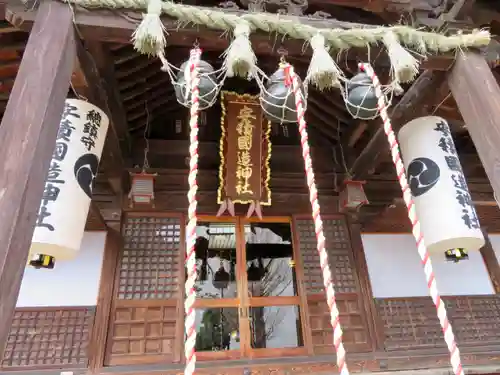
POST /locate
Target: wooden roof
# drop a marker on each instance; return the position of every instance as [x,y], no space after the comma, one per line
[142,105]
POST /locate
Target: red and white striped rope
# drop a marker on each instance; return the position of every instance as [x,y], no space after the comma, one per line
[449,337]
[318,223]
[190,262]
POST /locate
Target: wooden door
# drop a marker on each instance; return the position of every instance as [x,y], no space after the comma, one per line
[271,300]
[144,324]
[345,274]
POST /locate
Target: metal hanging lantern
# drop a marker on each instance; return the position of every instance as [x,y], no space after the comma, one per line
[142,190]
[277,99]
[353,196]
[208,87]
[360,97]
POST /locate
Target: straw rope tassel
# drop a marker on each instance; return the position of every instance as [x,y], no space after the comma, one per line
[189,344]
[449,337]
[318,224]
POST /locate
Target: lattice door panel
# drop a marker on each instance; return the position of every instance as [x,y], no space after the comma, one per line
[339,253]
[148,294]
[151,259]
[353,324]
[353,316]
[50,337]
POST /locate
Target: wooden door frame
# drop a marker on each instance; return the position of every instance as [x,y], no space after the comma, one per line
[225,302]
[277,300]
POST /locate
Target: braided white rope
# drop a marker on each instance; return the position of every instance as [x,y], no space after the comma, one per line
[189,323]
[449,337]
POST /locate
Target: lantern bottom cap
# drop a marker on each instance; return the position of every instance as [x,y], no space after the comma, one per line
[60,253]
[467,243]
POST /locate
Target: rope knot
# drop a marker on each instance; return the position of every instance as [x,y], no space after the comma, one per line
[318,41]
[240,59]
[149,37]
[154,7]
[323,72]
[242,29]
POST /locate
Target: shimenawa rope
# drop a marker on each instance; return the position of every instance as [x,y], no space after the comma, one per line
[422,41]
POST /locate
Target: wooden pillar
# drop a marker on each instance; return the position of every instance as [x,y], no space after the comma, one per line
[27,138]
[491,262]
[374,323]
[477,94]
[99,337]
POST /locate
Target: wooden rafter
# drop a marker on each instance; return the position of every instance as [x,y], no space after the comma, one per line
[99,86]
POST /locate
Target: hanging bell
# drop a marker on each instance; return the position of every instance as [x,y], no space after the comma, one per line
[255,272]
[221,278]
[208,87]
[361,100]
[278,100]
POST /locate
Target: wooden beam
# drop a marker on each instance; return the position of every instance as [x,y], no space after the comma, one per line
[173,154]
[111,26]
[95,221]
[352,137]
[491,262]
[99,86]
[27,137]
[402,112]
[477,94]
[367,300]
[3,8]
[98,338]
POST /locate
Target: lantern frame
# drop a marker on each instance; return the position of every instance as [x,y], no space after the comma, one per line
[142,192]
[353,196]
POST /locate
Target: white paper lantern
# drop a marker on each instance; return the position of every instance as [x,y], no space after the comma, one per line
[443,203]
[68,189]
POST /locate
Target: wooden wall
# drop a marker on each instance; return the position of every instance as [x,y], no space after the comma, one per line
[49,337]
[411,323]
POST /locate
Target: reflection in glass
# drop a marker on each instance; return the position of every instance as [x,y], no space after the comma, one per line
[269,259]
[216,260]
[275,327]
[217,329]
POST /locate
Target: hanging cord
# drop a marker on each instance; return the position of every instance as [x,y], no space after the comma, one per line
[318,223]
[145,162]
[190,262]
[449,337]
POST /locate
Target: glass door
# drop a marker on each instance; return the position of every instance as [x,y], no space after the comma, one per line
[218,289]
[271,294]
[248,302]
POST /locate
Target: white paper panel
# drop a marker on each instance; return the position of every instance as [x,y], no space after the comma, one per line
[395,269]
[71,283]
